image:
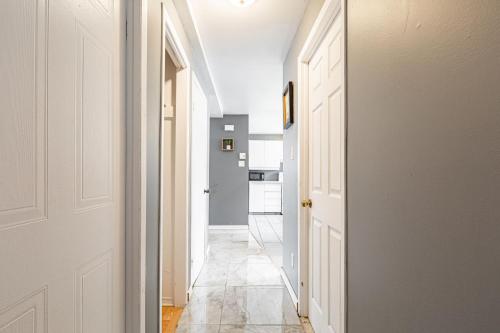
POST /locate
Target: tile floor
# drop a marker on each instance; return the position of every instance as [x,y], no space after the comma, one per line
[239,290]
[268,231]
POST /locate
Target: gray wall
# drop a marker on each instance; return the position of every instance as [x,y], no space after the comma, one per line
[228,182]
[153,165]
[423,166]
[290,200]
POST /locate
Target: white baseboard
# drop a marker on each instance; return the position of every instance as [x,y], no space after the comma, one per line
[167,301]
[288,285]
[228,227]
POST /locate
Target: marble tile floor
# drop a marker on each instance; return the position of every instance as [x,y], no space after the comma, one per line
[239,290]
[268,232]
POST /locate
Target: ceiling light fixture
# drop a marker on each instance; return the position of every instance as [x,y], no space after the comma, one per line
[242,3]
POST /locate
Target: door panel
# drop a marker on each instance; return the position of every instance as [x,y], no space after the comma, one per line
[326,179]
[92,121]
[23,116]
[62,149]
[316,265]
[199,178]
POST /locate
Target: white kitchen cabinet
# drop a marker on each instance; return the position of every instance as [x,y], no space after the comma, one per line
[264,197]
[265,154]
[273,153]
[256,202]
[256,154]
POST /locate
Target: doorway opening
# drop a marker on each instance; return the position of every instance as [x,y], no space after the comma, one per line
[230,265]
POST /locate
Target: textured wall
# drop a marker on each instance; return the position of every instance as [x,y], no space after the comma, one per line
[423,166]
[290,200]
[228,182]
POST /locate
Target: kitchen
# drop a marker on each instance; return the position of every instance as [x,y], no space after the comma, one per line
[246,183]
[265,176]
[265,206]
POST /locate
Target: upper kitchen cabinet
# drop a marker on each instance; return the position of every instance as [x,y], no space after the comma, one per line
[265,154]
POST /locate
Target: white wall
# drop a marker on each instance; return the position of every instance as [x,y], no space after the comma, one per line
[265,117]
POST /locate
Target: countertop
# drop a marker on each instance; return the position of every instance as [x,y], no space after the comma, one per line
[265,181]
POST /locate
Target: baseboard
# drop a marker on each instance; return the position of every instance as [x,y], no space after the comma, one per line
[228,227]
[290,289]
[167,301]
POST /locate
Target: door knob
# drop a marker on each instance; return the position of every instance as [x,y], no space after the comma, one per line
[307,203]
[206,191]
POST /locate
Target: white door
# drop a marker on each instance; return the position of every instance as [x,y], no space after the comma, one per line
[326,182]
[62,149]
[199,178]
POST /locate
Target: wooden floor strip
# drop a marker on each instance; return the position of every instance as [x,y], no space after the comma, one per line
[170,318]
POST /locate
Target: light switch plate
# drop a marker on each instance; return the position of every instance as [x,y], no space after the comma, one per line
[241,164]
[243,156]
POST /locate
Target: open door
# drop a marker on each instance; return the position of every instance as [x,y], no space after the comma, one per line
[199,179]
[62,166]
[326,147]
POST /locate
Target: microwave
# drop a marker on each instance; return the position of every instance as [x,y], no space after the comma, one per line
[256,176]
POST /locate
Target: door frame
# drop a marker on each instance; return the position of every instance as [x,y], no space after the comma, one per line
[135,178]
[135,270]
[136,121]
[320,28]
[172,44]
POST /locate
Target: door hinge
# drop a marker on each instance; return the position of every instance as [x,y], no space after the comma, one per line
[126,29]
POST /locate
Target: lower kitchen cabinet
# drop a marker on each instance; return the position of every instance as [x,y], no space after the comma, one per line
[265,197]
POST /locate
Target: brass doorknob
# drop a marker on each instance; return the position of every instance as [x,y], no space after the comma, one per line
[307,203]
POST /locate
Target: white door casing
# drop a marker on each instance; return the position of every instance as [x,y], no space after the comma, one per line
[175,102]
[62,158]
[199,178]
[327,182]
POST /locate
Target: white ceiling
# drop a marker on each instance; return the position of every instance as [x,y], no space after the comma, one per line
[245,49]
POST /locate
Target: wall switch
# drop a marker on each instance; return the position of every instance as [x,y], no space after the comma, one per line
[241,164]
[293,261]
[292,153]
[243,156]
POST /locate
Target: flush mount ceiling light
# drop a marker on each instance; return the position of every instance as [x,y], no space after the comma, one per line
[242,3]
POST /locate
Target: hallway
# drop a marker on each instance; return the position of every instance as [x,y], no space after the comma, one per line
[267,230]
[239,290]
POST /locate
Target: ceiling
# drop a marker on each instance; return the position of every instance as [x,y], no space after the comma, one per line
[245,48]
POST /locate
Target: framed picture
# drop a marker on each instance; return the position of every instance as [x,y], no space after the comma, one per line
[288,105]
[227,144]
